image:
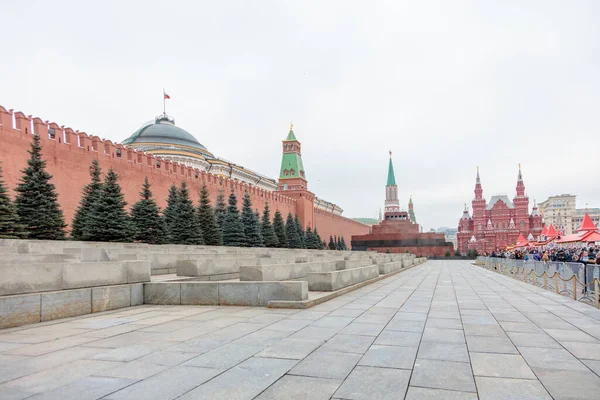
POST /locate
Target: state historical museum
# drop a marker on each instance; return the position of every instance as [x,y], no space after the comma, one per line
[498,224]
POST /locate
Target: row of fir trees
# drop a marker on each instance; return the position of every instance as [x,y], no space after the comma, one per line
[102,215]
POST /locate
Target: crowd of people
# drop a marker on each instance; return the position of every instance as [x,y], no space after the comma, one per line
[584,254]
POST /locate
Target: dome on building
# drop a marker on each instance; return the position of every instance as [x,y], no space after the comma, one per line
[162,137]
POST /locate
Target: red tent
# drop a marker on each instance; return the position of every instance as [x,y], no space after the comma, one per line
[587,224]
[545,230]
[551,233]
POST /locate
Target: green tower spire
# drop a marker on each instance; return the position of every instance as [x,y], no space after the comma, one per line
[391,179]
[291,162]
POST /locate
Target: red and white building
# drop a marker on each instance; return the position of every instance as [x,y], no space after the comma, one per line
[498,223]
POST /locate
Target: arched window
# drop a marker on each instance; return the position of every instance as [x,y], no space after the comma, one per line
[292,172]
[286,172]
[287,146]
[522,224]
[479,226]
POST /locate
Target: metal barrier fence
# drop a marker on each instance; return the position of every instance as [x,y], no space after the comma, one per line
[576,280]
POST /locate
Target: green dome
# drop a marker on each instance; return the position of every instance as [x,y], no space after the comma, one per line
[164,131]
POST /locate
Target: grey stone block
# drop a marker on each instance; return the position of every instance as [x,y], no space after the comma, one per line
[327,364]
[200,293]
[271,291]
[110,297]
[166,293]
[443,375]
[330,281]
[137,271]
[20,310]
[374,384]
[81,275]
[300,387]
[239,294]
[66,303]
[137,294]
[20,278]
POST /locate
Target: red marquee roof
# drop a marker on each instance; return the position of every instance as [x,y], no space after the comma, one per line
[545,230]
[551,233]
[521,239]
[587,224]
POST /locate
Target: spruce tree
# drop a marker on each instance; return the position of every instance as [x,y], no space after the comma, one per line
[343,243]
[36,200]
[10,228]
[311,239]
[148,225]
[338,245]
[108,220]
[331,243]
[233,228]
[211,232]
[291,231]
[251,228]
[279,229]
[319,240]
[185,229]
[301,233]
[323,245]
[260,235]
[220,209]
[170,212]
[268,233]
[90,194]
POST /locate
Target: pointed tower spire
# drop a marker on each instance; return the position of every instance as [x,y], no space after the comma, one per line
[391,180]
[520,176]
[391,190]
[520,184]
[411,211]
[478,188]
[292,174]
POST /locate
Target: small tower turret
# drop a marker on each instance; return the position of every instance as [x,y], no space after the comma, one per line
[411,211]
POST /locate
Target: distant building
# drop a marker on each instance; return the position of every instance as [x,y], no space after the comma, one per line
[449,235]
[399,232]
[561,211]
[499,223]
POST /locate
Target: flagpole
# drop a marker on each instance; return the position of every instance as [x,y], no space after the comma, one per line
[164,103]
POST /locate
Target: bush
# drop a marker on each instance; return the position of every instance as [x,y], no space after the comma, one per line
[447,253]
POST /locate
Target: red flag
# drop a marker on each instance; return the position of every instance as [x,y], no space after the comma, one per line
[167,96]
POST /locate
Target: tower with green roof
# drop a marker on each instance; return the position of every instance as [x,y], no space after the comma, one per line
[392,205]
[411,211]
[292,175]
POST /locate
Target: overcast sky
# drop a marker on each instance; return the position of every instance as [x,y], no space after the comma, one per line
[446,85]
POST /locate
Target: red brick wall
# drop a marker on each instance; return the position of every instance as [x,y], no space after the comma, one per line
[70,154]
[68,163]
[329,224]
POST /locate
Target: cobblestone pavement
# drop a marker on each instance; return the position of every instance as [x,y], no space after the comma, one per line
[443,330]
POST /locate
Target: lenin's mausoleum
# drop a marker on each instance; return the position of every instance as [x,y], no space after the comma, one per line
[399,231]
[166,154]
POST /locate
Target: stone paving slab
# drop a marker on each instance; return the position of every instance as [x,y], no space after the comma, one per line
[442,330]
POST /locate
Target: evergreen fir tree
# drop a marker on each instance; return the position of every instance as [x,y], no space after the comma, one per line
[251,228]
[260,235]
[291,231]
[343,243]
[311,239]
[36,200]
[91,192]
[185,229]
[323,245]
[301,233]
[10,228]
[108,219]
[211,231]
[268,233]
[331,243]
[148,225]
[319,240]
[233,228]
[170,212]
[338,245]
[279,229]
[220,209]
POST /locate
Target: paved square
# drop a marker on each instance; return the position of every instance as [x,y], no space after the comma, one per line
[443,330]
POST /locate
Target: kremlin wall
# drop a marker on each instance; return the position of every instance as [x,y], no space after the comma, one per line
[69,154]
